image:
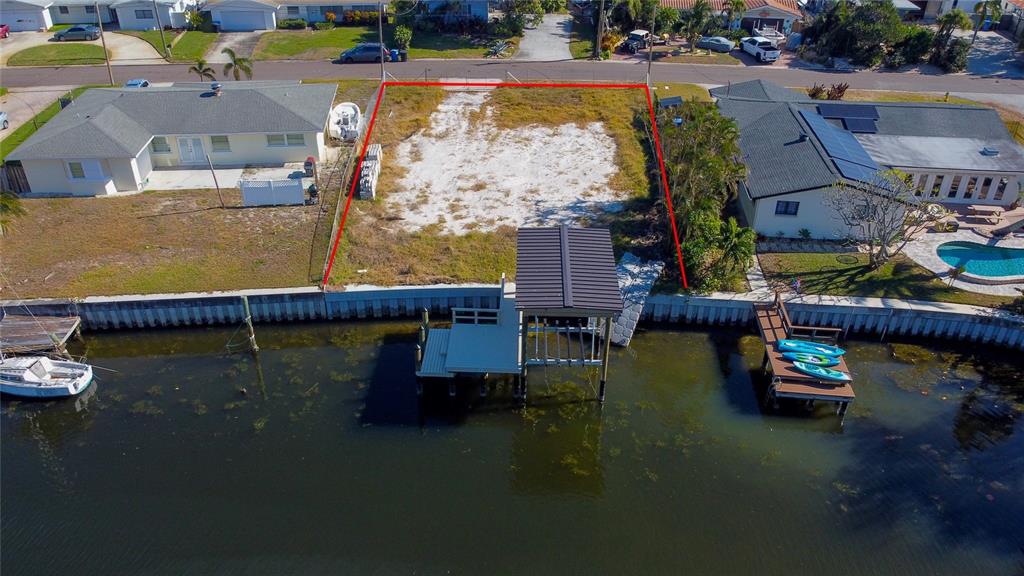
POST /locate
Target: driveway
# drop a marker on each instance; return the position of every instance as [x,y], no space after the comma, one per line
[993,55]
[548,42]
[21,104]
[124,49]
[243,43]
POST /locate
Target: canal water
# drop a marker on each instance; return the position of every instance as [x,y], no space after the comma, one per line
[317,458]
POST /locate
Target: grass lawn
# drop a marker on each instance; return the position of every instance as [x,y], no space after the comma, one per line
[328,44]
[14,139]
[59,27]
[699,56]
[158,242]
[376,249]
[192,46]
[62,54]
[581,44]
[3,91]
[687,91]
[849,275]
[153,37]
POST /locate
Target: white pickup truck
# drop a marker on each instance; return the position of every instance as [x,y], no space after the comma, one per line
[761,48]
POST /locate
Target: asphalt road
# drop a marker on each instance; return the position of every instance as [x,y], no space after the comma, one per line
[531,72]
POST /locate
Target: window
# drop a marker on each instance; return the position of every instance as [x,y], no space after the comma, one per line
[160,145]
[286,140]
[1001,189]
[293,10]
[296,140]
[90,9]
[62,9]
[785,208]
[276,140]
[220,143]
[954,186]
[937,186]
[144,14]
[76,170]
[971,184]
[985,185]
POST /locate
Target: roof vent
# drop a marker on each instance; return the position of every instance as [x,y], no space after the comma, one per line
[216,87]
[803,137]
[987,151]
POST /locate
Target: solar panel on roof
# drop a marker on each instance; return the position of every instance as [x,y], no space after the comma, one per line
[848,111]
[838,143]
[856,171]
[860,125]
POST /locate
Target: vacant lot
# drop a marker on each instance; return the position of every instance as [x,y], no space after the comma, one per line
[462,170]
[63,54]
[328,44]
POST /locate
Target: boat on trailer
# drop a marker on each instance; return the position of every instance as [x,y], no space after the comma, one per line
[41,377]
[345,122]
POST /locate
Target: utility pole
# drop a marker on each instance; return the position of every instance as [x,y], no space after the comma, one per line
[160,27]
[380,33]
[216,184]
[600,31]
[103,39]
[650,49]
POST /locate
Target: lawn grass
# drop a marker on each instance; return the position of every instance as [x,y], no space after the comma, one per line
[62,54]
[687,91]
[581,44]
[192,45]
[700,57]
[59,27]
[153,37]
[328,44]
[14,139]
[3,91]
[849,275]
[158,242]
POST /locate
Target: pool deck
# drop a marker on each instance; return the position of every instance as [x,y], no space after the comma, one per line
[924,251]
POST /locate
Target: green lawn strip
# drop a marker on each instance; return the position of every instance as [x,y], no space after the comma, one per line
[153,37]
[311,44]
[426,45]
[59,27]
[63,54]
[28,128]
[581,44]
[701,57]
[687,91]
[3,91]
[192,46]
[849,275]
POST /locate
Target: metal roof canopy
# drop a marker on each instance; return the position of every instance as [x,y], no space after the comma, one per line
[564,271]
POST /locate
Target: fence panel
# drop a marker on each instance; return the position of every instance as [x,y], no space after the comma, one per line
[272,192]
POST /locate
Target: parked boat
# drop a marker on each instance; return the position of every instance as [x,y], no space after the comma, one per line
[822,372]
[812,359]
[41,377]
[345,122]
[810,348]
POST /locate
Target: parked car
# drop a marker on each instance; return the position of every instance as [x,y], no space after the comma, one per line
[716,43]
[5,30]
[640,40]
[3,121]
[761,48]
[77,33]
[137,83]
[365,52]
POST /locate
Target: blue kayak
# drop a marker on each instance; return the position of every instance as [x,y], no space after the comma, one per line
[810,348]
[822,372]
[812,359]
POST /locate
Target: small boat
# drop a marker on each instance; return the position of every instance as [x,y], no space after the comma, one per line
[822,372]
[810,348]
[41,377]
[345,122]
[812,359]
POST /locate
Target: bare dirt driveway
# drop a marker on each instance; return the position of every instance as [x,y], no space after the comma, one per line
[548,42]
[124,49]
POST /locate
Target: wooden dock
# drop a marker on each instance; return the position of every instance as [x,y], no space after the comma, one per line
[787,382]
[23,334]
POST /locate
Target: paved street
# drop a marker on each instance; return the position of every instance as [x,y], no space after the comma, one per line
[535,71]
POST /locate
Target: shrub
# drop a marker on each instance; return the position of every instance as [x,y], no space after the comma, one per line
[324,26]
[1016,305]
[804,233]
[291,24]
[837,91]
[359,17]
[817,92]
[955,57]
[550,6]
[402,37]
[894,59]
[330,17]
[916,44]
[610,41]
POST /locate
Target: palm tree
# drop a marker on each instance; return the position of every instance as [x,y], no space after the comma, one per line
[993,8]
[732,8]
[237,65]
[948,23]
[10,208]
[737,244]
[695,21]
[203,70]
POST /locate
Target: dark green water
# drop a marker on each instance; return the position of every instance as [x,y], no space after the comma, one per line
[329,466]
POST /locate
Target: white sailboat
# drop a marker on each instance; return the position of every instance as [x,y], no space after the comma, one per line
[41,377]
[345,122]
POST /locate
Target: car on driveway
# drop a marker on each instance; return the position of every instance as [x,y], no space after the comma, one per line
[716,43]
[365,52]
[5,30]
[760,48]
[77,33]
[137,83]
[640,40]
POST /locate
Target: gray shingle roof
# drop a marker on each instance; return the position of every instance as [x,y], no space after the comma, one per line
[117,123]
[563,268]
[758,90]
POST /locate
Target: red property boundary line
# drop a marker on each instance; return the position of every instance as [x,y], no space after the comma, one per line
[373,120]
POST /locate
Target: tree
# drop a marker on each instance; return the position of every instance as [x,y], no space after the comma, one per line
[666,20]
[237,65]
[732,8]
[737,245]
[195,19]
[10,208]
[949,23]
[695,21]
[203,70]
[884,213]
[403,36]
[985,9]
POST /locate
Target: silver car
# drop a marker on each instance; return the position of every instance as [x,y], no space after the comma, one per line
[365,52]
[716,43]
[77,33]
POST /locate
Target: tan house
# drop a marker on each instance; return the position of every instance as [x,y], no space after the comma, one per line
[109,140]
[777,14]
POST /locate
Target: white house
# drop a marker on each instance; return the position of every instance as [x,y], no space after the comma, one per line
[147,15]
[26,15]
[81,12]
[244,15]
[315,10]
[108,140]
[796,149]
[36,15]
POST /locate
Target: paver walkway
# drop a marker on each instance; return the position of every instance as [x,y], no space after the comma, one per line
[548,42]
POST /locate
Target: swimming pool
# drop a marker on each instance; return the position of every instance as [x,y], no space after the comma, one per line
[982,260]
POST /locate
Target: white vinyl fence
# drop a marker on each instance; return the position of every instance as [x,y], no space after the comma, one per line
[272,192]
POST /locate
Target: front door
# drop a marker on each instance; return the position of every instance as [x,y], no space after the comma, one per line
[190,151]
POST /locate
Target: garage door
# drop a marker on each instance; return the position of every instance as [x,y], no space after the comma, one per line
[22,21]
[243,20]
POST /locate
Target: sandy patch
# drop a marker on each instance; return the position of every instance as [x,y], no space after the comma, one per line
[467,175]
